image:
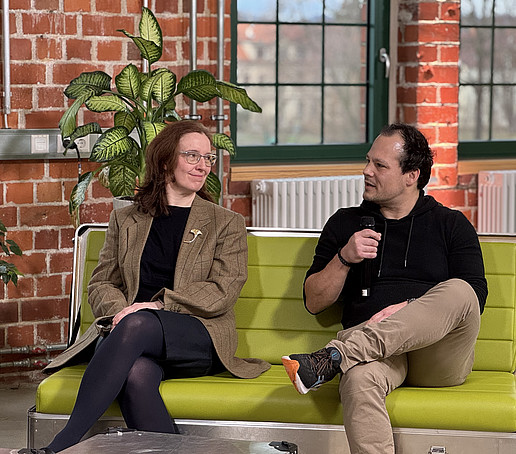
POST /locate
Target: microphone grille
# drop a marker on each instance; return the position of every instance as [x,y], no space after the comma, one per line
[367,222]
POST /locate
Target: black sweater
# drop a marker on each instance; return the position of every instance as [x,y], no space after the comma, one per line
[430,245]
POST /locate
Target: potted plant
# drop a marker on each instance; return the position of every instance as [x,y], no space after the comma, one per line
[142,102]
[8,272]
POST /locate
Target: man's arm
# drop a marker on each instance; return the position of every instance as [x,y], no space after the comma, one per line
[324,287]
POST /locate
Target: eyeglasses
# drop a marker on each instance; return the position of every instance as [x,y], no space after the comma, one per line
[193,157]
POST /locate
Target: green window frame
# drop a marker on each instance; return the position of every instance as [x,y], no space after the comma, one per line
[374,86]
[487,79]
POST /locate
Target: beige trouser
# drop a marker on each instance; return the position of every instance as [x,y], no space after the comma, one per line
[430,342]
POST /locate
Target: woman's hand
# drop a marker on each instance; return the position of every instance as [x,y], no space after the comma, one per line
[135,308]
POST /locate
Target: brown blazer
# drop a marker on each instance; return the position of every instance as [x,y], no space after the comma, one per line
[210,272]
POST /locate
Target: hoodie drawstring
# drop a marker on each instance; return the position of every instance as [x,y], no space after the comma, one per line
[383,247]
[408,241]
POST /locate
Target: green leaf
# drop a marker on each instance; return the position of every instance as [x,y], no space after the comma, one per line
[225,142]
[2,227]
[125,119]
[152,130]
[198,85]
[115,142]
[79,191]
[97,82]
[160,86]
[149,28]
[82,131]
[15,249]
[107,103]
[122,180]
[148,50]
[237,95]
[213,186]
[67,123]
[128,81]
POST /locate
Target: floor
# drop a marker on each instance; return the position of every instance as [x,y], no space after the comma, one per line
[14,404]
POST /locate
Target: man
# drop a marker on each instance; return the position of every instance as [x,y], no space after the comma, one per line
[419,320]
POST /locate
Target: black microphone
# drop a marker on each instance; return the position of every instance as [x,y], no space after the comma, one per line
[367,222]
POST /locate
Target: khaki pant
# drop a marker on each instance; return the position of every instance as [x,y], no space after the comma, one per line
[430,342]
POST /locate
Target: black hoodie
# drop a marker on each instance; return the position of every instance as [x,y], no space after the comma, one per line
[430,245]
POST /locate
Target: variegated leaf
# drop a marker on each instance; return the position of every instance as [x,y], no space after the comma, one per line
[115,142]
[128,81]
[213,186]
[152,130]
[225,142]
[149,28]
[238,95]
[107,103]
[96,82]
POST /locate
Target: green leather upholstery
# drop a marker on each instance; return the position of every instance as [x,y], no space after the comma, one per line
[272,321]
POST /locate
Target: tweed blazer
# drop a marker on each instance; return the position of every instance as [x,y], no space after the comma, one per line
[210,271]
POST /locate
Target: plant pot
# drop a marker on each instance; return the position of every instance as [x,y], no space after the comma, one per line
[123,201]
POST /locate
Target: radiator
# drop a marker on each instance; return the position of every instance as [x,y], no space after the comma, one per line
[497,201]
[303,203]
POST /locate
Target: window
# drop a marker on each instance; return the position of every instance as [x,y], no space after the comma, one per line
[487,90]
[313,67]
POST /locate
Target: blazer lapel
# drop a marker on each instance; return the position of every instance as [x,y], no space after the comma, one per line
[196,233]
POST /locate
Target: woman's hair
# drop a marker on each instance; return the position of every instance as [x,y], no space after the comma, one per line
[416,152]
[160,163]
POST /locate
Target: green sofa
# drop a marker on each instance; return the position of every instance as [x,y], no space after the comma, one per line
[272,321]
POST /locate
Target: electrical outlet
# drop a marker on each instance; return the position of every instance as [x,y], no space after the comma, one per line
[83,144]
[39,143]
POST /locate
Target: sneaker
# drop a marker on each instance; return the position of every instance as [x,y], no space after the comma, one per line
[311,370]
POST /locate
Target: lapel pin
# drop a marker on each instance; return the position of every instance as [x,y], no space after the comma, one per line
[196,233]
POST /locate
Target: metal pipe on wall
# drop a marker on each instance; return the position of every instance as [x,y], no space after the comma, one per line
[6,37]
[193,55]
[145,63]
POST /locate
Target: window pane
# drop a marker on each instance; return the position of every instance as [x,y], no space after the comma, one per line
[504,113]
[476,12]
[505,56]
[256,53]
[505,12]
[299,115]
[346,11]
[475,55]
[300,53]
[344,63]
[473,113]
[344,111]
[257,11]
[300,11]
[258,129]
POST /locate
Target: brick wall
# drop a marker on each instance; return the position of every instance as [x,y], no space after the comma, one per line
[52,42]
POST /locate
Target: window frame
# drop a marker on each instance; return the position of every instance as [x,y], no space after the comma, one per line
[377,90]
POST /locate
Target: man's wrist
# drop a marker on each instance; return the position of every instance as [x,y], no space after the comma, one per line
[342,259]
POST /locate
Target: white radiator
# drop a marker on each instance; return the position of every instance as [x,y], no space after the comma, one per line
[303,203]
[497,201]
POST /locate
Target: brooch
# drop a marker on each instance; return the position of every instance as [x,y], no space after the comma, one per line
[196,233]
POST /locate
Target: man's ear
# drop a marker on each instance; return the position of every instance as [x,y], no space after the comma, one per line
[413,176]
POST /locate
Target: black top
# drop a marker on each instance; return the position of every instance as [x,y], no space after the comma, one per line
[430,245]
[158,262]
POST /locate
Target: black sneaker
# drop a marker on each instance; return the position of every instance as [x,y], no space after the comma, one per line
[311,370]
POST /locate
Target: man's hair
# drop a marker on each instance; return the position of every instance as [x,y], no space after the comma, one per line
[160,163]
[416,152]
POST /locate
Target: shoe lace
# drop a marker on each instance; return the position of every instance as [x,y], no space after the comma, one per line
[322,363]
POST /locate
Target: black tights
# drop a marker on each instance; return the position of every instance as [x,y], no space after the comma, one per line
[124,366]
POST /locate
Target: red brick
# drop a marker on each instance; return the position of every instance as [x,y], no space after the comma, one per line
[109,50]
[165,7]
[450,11]
[19,193]
[19,4]
[66,237]
[49,49]
[449,134]
[428,11]
[8,312]
[50,97]
[77,5]
[449,54]
[469,180]
[78,49]
[61,262]
[49,285]
[46,239]
[28,73]
[99,192]
[21,49]
[42,120]
[472,198]
[48,333]
[44,309]
[105,119]
[240,187]
[433,114]
[96,212]
[30,262]
[447,176]
[95,25]
[445,155]
[24,289]
[70,25]
[20,335]
[63,169]
[432,33]
[49,192]
[63,73]
[46,4]
[8,216]
[21,98]
[42,23]
[21,170]
[242,205]
[23,238]
[46,215]
[449,197]
[135,6]
[108,6]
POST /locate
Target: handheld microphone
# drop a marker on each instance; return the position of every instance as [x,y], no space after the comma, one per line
[367,222]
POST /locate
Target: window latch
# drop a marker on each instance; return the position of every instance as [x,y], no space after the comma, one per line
[383,56]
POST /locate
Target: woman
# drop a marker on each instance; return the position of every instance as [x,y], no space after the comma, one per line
[170,272]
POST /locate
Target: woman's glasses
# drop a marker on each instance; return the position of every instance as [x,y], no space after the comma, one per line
[193,157]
